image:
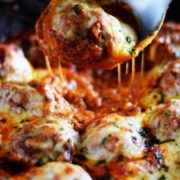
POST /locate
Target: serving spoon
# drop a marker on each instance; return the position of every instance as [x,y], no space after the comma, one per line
[149,14]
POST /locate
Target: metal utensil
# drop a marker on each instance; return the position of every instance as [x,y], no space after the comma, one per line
[148,13]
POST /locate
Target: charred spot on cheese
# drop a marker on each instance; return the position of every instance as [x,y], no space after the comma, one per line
[39,141]
[149,138]
[111,137]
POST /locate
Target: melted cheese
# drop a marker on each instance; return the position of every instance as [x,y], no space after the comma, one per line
[127,68]
[39,141]
[133,70]
[113,136]
[48,66]
[16,67]
[119,76]
[56,170]
[22,100]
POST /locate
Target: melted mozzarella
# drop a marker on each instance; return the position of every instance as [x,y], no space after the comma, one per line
[26,101]
[165,120]
[39,141]
[170,169]
[16,67]
[58,171]
[84,34]
[113,136]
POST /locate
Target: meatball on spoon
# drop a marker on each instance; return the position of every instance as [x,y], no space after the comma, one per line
[98,34]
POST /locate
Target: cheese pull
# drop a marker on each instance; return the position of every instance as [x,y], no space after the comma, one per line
[97,34]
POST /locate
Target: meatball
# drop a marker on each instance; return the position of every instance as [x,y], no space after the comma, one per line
[35,99]
[38,141]
[165,121]
[166,45]
[11,57]
[170,80]
[83,33]
[55,171]
[111,137]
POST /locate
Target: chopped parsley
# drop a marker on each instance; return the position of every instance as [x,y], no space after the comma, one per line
[166,168]
[76,9]
[101,162]
[115,125]
[132,51]
[23,121]
[128,39]
[162,177]
[158,157]
[167,114]
[145,132]
[105,139]
[41,160]
[61,128]
[163,96]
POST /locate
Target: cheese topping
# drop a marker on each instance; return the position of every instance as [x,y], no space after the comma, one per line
[113,136]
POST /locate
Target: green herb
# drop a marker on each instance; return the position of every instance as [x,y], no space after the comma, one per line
[61,128]
[41,161]
[103,37]
[1,78]
[132,51]
[158,157]
[76,8]
[105,139]
[101,162]
[128,39]
[115,125]
[79,35]
[162,177]
[163,96]
[144,132]
[168,114]
[83,150]
[23,108]
[23,121]
[166,168]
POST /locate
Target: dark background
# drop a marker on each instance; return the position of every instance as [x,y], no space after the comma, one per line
[173,13]
[19,15]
